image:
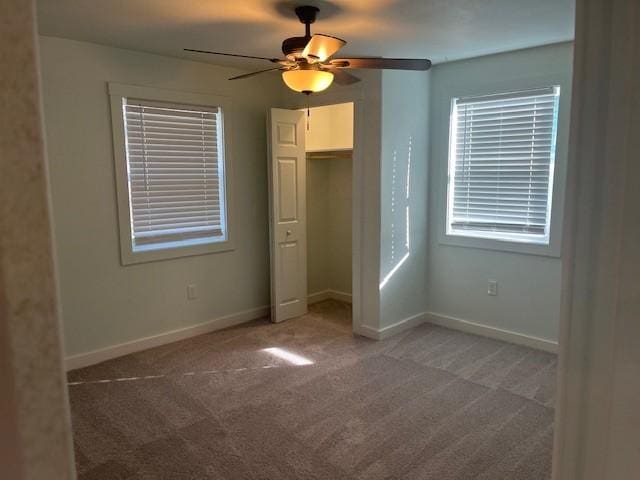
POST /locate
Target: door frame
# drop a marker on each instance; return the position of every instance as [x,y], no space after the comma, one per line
[595,229]
[357,186]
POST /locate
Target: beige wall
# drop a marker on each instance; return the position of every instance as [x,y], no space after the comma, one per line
[329,224]
[103,302]
[340,178]
[317,224]
[35,434]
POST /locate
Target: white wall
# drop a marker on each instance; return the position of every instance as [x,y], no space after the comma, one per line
[598,420]
[103,302]
[528,300]
[340,231]
[317,225]
[329,230]
[329,127]
[403,193]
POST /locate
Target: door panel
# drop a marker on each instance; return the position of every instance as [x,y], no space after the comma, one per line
[287,204]
[287,133]
[287,185]
[289,266]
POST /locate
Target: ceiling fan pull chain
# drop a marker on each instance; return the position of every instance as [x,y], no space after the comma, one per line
[308,113]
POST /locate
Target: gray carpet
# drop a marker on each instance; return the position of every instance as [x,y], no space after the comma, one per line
[430,403]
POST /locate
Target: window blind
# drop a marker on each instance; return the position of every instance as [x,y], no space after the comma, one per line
[176,172]
[501,163]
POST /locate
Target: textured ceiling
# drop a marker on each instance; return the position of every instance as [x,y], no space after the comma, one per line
[441,30]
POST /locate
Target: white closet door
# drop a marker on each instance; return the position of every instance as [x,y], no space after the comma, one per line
[287,203]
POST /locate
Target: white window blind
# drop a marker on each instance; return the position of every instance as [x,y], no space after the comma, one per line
[502,151]
[176,173]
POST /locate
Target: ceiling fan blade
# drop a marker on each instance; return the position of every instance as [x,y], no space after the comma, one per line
[273,60]
[384,63]
[247,75]
[321,47]
[342,77]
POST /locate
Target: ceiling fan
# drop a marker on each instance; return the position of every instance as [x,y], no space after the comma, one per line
[308,66]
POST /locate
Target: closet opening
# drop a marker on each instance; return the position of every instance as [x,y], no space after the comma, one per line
[329,138]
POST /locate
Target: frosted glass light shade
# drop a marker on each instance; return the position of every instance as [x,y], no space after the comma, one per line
[307,81]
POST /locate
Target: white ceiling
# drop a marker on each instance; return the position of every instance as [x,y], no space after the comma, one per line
[442,30]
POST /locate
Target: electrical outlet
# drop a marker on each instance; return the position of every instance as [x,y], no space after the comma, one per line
[192,293]
[492,288]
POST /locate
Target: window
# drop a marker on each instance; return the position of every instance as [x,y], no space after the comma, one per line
[175,193]
[501,165]
[172,176]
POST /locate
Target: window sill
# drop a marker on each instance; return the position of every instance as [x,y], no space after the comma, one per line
[149,254]
[510,246]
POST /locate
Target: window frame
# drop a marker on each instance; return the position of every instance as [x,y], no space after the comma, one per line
[524,238]
[441,155]
[118,92]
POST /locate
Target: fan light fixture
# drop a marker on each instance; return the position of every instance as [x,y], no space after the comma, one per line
[307,81]
[309,65]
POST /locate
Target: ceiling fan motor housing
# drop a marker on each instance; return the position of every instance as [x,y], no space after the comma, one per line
[292,47]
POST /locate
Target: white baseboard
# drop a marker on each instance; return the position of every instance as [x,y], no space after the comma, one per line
[96,356]
[317,297]
[492,332]
[394,329]
[461,325]
[328,295]
[341,296]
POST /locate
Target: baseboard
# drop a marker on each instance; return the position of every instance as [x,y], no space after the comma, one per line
[461,325]
[394,329]
[492,332]
[340,296]
[96,356]
[317,297]
[328,295]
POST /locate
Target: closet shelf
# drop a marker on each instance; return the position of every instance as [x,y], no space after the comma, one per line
[344,153]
